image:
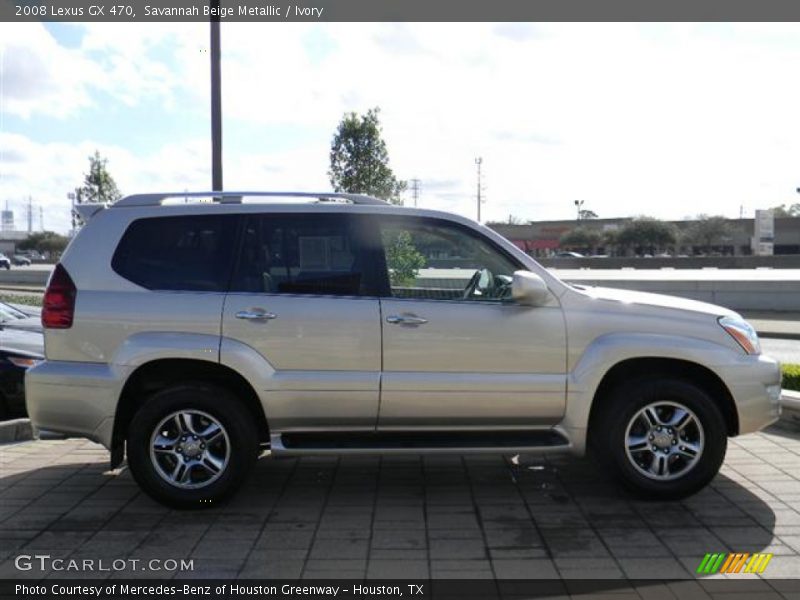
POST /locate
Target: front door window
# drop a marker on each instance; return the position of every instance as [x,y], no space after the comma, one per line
[432,260]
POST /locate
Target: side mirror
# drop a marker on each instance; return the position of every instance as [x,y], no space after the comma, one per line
[529,289]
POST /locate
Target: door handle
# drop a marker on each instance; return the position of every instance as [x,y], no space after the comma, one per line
[256,315]
[406,320]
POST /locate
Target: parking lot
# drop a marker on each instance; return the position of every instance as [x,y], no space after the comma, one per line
[408,517]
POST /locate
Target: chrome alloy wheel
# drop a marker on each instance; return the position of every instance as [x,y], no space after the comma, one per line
[664,441]
[190,449]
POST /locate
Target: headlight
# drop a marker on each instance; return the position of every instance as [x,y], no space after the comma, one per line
[742,332]
[25,363]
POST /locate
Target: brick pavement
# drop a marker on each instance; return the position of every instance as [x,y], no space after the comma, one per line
[409,517]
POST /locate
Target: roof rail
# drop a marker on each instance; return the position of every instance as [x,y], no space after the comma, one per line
[237,197]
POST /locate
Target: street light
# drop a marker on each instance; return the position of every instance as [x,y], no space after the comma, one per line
[578,206]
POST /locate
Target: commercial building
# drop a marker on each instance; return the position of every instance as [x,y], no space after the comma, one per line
[542,238]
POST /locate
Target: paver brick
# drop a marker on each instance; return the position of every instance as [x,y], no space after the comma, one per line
[416,517]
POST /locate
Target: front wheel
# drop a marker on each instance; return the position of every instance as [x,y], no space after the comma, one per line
[191,445]
[664,438]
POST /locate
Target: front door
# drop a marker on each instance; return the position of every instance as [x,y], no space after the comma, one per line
[301,298]
[458,353]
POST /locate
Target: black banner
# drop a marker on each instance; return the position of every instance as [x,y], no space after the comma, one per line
[518,589]
[149,11]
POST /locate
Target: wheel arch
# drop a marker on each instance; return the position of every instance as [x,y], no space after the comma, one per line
[685,370]
[159,373]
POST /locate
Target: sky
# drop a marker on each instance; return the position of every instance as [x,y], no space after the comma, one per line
[666,120]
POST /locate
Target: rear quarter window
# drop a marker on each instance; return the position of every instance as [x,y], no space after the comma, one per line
[185,253]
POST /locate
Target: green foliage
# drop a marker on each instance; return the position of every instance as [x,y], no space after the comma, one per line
[360,161]
[708,231]
[581,237]
[28,299]
[98,185]
[587,214]
[784,211]
[791,377]
[646,232]
[402,258]
[47,242]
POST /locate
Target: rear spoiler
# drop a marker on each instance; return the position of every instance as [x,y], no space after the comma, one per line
[88,210]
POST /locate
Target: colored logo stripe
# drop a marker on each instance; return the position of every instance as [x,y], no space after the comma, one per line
[723,562]
[758,563]
[711,563]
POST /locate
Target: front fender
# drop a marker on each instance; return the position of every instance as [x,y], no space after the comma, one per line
[609,350]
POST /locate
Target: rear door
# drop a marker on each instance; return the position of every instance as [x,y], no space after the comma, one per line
[302,297]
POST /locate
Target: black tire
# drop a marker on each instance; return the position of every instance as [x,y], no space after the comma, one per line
[205,403]
[609,438]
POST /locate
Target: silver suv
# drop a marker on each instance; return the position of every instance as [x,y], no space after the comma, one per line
[192,335]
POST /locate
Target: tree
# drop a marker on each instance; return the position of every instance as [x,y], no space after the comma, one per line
[402,258]
[587,214]
[708,231]
[45,242]
[646,233]
[782,211]
[581,238]
[360,161]
[98,184]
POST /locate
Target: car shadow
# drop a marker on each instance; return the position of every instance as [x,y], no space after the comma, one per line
[504,522]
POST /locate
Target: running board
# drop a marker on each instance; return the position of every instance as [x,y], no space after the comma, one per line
[418,442]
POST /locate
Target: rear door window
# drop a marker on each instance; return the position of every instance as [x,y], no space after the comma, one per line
[186,253]
[318,254]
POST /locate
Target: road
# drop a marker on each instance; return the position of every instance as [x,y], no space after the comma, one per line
[786,351]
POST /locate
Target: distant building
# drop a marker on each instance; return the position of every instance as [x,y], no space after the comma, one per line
[7,220]
[542,238]
[9,241]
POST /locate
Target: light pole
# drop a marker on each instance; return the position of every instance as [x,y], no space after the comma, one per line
[479,161]
[578,207]
[216,104]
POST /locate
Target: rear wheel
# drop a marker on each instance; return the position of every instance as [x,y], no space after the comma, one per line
[664,438]
[191,445]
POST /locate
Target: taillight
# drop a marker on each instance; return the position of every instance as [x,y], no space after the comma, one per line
[58,306]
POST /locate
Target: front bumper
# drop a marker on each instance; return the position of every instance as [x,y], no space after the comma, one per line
[73,398]
[755,384]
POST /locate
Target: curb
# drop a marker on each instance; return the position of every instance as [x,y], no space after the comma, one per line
[774,335]
[16,430]
[790,404]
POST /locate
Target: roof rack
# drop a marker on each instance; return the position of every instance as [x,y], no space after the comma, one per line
[237,197]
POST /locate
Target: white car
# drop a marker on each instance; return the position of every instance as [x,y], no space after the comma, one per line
[193,335]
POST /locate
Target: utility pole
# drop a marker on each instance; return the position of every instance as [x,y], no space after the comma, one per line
[478,163]
[71,197]
[415,187]
[216,103]
[30,214]
[41,218]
